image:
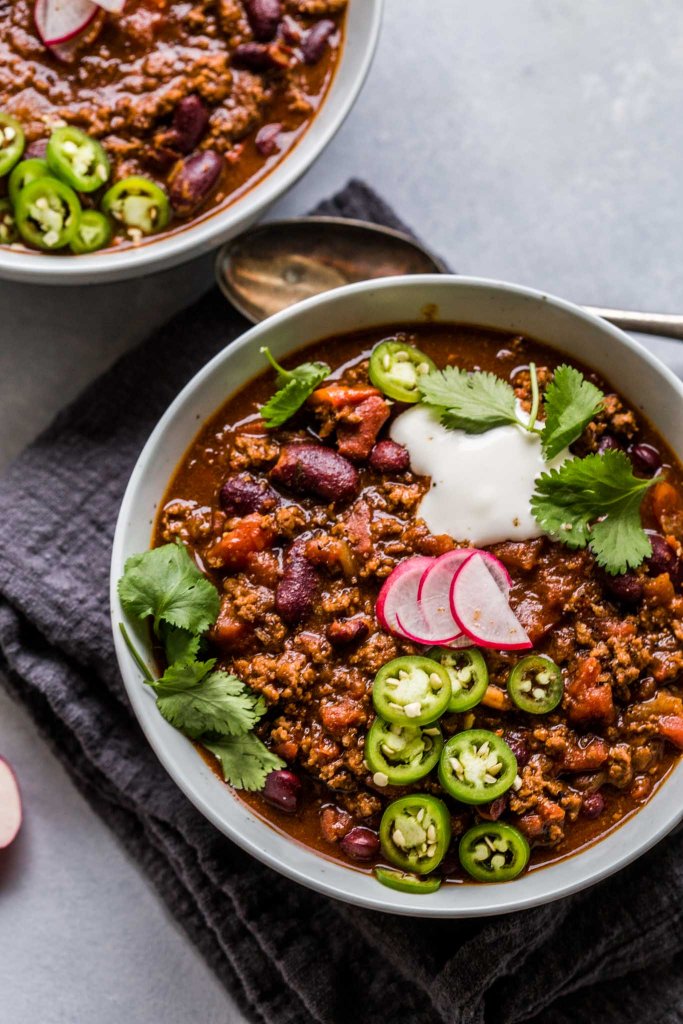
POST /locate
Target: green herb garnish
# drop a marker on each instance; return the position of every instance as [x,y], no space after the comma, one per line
[244,760]
[295,387]
[595,502]
[570,403]
[473,402]
[205,704]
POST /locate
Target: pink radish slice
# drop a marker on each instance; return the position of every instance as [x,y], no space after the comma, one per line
[58,21]
[433,596]
[482,610]
[10,805]
[498,571]
[399,595]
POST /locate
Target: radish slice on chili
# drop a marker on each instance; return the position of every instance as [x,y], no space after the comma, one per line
[58,21]
[433,596]
[482,610]
[399,596]
[498,571]
[10,805]
[113,6]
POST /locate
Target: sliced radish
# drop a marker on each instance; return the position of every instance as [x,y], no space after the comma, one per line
[498,571]
[113,6]
[399,596]
[433,595]
[481,608]
[10,805]
[58,21]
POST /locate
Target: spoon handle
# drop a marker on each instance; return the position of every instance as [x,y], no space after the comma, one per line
[668,325]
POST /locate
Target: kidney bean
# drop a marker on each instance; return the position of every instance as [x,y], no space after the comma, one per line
[608,443]
[190,119]
[257,57]
[295,592]
[493,811]
[664,558]
[592,806]
[348,631]
[517,742]
[646,459]
[389,457]
[266,140]
[283,790]
[36,149]
[626,587]
[360,843]
[263,17]
[193,181]
[243,494]
[314,469]
[315,41]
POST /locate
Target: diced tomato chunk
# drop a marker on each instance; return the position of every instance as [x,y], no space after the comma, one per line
[339,716]
[585,759]
[666,503]
[229,631]
[232,551]
[587,699]
[671,728]
[357,432]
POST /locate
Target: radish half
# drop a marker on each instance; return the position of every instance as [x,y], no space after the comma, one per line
[58,21]
[481,608]
[113,6]
[10,805]
[398,597]
[433,595]
[498,571]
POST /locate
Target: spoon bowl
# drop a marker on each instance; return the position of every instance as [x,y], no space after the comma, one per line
[278,264]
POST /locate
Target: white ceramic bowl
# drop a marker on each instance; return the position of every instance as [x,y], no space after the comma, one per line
[644,381]
[362,31]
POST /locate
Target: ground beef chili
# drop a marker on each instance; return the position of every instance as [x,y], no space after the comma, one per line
[299,574]
[203,98]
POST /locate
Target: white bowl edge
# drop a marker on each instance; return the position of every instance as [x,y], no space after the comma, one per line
[468,300]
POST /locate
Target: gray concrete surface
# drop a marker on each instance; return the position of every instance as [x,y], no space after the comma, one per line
[534,141]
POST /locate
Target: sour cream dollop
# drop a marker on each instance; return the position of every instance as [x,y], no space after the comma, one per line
[481,484]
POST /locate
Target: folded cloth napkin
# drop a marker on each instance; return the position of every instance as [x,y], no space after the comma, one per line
[288,955]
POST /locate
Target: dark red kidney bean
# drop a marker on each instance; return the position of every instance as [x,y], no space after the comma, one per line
[36,149]
[190,120]
[593,805]
[626,587]
[266,140]
[348,631]
[663,557]
[243,494]
[389,457]
[517,743]
[263,17]
[360,843]
[296,589]
[193,181]
[283,790]
[314,469]
[646,458]
[256,57]
[608,443]
[315,41]
[493,811]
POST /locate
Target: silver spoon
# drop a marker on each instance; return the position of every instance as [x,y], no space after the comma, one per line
[282,262]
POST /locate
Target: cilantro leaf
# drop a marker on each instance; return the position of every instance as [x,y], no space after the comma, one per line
[244,760]
[166,584]
[570,404]
[595,502]
[296,386]
[179,644]
[196,700]
[474,402]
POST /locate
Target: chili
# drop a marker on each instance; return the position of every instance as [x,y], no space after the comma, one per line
[47,213]
[8,227]
[535,684]
[12,142]
[23,174]
[138,203]
[493,852]
[77,159]
[402,753]
[406,881]
[476,766]
[415,832]
[94,232]
[395,368]
[411,691]
[468,673]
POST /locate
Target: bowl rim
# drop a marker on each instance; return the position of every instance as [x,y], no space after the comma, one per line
[495,898]
[217,226]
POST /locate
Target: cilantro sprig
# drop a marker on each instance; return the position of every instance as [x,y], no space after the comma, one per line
[295,387]
[479,401]
[203,702]
[595,502]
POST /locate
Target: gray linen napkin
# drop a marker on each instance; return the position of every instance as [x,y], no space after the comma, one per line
[288,955]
